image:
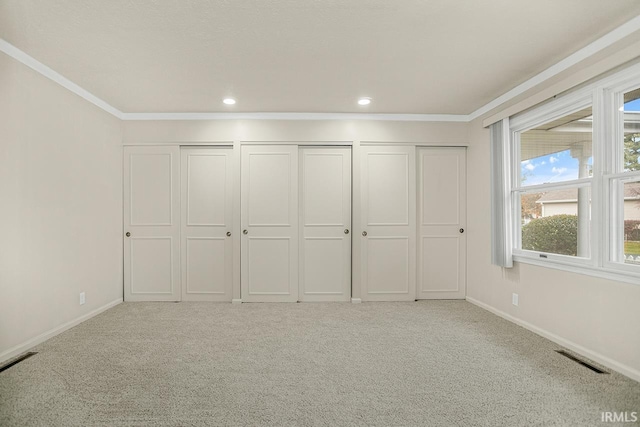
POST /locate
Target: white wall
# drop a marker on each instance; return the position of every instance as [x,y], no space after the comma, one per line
[60,207]
[599,318]
[186,131]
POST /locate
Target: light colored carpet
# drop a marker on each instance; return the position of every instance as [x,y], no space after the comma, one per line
[429,363]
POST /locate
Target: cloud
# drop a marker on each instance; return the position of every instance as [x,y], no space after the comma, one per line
[553,159]
[543,163]
[526,162]
[558,171]
[529,167]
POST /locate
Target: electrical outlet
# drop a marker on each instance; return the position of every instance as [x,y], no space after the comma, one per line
[82,298]
[514,299]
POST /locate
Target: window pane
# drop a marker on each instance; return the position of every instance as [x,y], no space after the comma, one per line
[632,223]
[631,112]
[556,221]
[557,151]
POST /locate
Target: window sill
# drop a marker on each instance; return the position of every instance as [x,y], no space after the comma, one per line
[601,272]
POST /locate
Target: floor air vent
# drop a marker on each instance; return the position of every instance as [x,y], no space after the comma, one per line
[582,362]
[17,360]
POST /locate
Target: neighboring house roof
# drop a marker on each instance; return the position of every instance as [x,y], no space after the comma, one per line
[631,192]
[559,196]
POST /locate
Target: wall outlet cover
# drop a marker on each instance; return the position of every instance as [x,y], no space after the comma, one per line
[82,298]
[514,299]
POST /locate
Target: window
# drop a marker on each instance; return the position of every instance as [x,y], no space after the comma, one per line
[572,180]
[624,183]
[553,185]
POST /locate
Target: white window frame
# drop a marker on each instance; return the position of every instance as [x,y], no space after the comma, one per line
[615,190]
[526,121]
[614,177]
[605,96]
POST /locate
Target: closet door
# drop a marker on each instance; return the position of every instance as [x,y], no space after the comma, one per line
[207,212]
[442,216]
[152,223]
[269,218]
[388,205]
[325,223]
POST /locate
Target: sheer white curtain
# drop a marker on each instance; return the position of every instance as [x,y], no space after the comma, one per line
[501,216]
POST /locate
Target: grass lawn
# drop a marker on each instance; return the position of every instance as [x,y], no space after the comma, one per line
[632,248]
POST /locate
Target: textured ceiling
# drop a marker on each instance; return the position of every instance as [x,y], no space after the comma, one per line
[410,56]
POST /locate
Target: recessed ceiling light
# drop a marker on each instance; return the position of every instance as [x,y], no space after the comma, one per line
[229,101]
[364,101]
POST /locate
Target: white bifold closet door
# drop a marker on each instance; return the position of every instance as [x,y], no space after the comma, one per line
[152,223]
[388,222]
[269,218]
[442,216]
[325,223]
[207,223]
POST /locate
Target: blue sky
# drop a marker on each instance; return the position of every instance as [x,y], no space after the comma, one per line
[632,105]
[550,168]
[560,166]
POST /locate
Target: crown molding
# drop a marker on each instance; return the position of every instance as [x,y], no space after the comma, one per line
[298,116]
[593,48]
[47,72]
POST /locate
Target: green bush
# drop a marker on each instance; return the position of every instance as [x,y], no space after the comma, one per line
[556,234]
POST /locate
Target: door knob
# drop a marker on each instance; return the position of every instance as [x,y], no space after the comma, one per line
[228,234]
[245,232]
[462,230]
[128,234]
[364,233]
[346,231]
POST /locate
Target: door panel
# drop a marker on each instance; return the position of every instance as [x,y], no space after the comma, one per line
[325,215]
[392,275]
[324,185]
[441,264]
[269,186]
[207,216]
[440,178]
[150,184]
[206,190]
[388,182]
[151,262]
[388,256]
[269,211]
[151,203]
[442,249]
[324,269]
[268,266]
[206,266]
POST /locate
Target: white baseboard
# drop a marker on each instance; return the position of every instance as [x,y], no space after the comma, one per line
[236,301]
[21,348]
[356,300]
[628,371]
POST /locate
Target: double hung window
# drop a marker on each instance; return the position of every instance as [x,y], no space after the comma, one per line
[623,182]
[572,180]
